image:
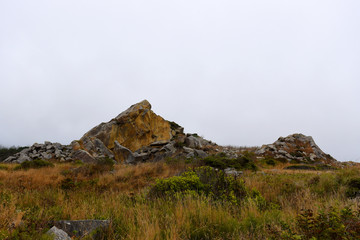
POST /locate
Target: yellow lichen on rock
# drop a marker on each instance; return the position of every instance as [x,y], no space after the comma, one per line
[134,128]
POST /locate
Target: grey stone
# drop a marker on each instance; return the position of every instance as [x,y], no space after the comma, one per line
[192,142]
[37,145]
[47,143]
[83,156]
[233,172]
[10,159]
[58,153]
[58,234]
[25,151]
[23,158]
[48,147]
[200,153]
[81,228]
[169,148]
[46,155]
[188,150]
[58,146]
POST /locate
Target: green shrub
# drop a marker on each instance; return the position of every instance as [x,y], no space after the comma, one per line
[221,161]
[353,188]
[270,161]
[327,224]
[203,181]
[37,163]
[3,167]
[301,167]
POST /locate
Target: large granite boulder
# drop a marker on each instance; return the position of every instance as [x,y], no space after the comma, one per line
[134,128]
[130,131]
[296,147]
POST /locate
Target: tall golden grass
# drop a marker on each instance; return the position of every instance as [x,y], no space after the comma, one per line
[31,200]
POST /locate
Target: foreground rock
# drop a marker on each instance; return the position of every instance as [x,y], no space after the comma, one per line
[297,148]
[81,228]
[58,234]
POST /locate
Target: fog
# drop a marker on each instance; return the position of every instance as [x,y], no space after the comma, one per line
[236,72]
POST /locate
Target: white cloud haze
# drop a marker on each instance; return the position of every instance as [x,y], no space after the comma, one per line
[236,72]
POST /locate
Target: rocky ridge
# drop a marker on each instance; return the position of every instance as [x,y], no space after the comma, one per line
[139,135]
[135,135]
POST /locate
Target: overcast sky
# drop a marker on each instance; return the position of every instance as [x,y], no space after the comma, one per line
[236,72]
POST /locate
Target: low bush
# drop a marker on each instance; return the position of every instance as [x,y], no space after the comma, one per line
[221,161]
[37,163]
[327,224]
[353,188]
[203,181]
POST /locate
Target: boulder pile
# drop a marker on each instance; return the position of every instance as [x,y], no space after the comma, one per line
[45,151]
[296,147]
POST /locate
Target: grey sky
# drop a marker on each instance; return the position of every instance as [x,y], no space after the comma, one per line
[236,72]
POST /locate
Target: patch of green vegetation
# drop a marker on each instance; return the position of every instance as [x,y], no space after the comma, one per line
[3,167]
[353,187]
[319,167]
[327,224]
[221,161]
[203,181]
[37,163]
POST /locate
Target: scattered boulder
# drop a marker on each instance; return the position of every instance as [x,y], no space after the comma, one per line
[81,228]
[58,234]
[233,172]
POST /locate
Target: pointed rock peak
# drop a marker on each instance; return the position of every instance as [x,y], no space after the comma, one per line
[135,109]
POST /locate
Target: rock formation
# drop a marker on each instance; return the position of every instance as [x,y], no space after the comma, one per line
[45,151]
[135,135]
[139,135]
[295,147]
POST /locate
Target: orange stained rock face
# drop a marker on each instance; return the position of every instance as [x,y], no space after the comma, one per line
[134,128]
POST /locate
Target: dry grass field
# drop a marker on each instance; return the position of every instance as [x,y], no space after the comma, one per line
[277,203]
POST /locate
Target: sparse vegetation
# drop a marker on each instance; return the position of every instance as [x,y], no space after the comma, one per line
[221,161]
[175,200]
[37,163]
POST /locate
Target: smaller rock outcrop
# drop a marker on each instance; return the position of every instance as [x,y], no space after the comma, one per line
[296,147]
[46,151]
